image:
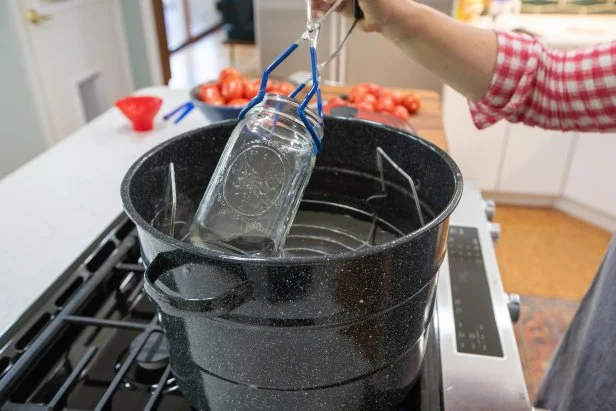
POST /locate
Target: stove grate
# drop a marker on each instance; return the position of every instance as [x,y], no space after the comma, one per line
[24,351]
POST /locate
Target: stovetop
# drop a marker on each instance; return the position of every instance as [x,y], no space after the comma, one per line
[93,343]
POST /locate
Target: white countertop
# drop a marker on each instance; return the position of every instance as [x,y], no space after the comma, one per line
[54,206]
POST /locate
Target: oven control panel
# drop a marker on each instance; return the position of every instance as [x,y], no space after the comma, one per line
[475,325]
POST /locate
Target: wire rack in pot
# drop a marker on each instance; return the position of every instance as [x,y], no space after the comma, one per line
[320,227]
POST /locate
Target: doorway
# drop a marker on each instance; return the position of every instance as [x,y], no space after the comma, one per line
[198,38]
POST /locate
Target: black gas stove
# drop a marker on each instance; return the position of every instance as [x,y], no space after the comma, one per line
[93,342]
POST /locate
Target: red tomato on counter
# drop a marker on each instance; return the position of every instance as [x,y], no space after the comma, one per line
[364,106]
[369,99]
[251,89]
[397,96]
[357,93]
[227,72]
[401,112]
[208,93]
[337,101]
[216,101]
[238,102]
[385,104]
[232,88]
[373,89]
[284,88]
[411,103]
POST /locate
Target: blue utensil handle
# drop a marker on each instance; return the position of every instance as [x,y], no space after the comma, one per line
[259,97]
[175,110]
[189,107]
[313,90]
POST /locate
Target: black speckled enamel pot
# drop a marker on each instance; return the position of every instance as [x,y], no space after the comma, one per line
[309,332]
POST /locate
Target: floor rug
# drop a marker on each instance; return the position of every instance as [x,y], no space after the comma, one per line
[542,323]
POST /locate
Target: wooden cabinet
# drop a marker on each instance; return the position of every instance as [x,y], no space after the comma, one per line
[591,179]
[535,160]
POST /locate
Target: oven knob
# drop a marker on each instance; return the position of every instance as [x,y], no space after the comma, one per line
[495,231]
[489,206]
[513,304]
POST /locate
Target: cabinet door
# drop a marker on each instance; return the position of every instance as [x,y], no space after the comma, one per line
[535,161]
[372,58]
[592,175]
[478,153]
[278,23]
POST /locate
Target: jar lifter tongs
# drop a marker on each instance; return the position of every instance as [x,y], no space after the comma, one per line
[311,34]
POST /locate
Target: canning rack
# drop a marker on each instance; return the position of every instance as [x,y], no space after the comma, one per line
[326,239]
[313,233]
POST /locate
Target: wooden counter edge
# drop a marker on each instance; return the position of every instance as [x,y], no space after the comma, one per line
[427,121]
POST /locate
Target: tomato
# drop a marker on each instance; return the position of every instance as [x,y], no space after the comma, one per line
[366,102]
[269,87]
[284,88]
[251,89]
[238,102]
[208,92]
[364,106]
[370,99]
[385,104]
[401,112]
[385,92]
[397,96]
[411,103]
[373,89]
[227,72]
[336,102]
[216,101]
[232,88]
[357,93]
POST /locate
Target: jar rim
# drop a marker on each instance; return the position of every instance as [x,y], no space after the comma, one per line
[312,116]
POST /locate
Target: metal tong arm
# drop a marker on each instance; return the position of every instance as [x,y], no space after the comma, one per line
[314,90]
[259,97]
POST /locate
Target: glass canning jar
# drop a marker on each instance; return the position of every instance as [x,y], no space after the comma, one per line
[255,191]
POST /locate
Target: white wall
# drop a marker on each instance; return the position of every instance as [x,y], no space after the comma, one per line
[21,133]
[21,138]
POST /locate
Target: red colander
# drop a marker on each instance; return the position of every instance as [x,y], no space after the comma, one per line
[140,110]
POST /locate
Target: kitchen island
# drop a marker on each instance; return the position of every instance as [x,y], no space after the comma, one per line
[59,203]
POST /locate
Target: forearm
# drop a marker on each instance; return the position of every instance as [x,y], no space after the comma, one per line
[461,55]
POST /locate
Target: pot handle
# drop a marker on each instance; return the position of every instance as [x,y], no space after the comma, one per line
[174,304]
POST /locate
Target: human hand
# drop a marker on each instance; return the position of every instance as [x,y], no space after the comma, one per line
[377,13]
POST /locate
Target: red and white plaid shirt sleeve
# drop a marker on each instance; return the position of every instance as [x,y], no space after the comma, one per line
[553,89]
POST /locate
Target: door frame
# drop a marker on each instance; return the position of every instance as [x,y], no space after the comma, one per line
[43,116]
[36,86]
[152,39]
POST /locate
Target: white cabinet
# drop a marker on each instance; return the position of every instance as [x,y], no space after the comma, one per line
[519,164]
[278,23]
[535,161]
[478,153]
[370,57]
[592,174]
[366,57]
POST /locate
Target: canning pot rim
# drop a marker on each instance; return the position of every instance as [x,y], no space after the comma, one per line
[290,261]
